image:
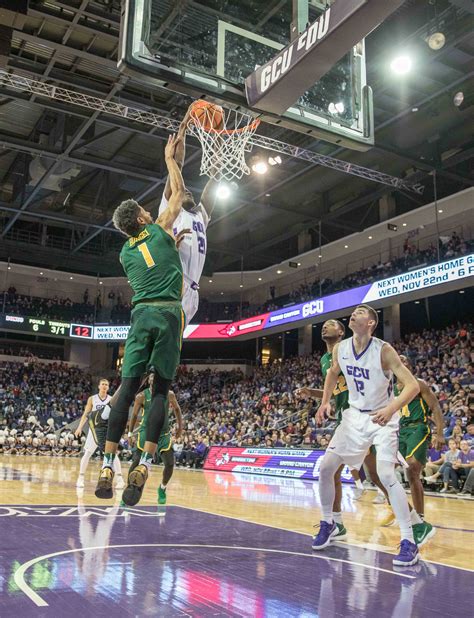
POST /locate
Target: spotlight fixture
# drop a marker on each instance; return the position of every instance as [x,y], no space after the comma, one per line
[401,65]
[436,41]
[223,191]
[279,272]
[275,160]
[260,167]
[336,108]
[463,100]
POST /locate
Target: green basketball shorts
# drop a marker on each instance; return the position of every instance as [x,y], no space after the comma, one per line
[414,441]
[154,340]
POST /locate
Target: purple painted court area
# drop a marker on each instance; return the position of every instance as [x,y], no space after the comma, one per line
[106,561]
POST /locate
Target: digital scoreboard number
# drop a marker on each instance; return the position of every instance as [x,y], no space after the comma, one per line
[81,331]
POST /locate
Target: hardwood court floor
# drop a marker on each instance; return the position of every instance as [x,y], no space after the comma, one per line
[209,555]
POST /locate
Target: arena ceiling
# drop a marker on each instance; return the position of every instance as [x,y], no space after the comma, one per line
[63,168]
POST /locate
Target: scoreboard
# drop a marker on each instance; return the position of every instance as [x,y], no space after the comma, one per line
[42,326]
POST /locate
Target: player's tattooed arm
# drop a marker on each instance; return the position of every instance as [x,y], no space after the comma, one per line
[177,410]
[85,415]
[436,412]
[168,216]
[137,406]
[180,152]
[392,362]
[329,386]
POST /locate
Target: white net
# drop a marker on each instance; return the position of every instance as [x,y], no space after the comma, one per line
[224,149]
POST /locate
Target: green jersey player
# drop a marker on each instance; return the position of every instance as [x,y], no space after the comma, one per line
[153,267]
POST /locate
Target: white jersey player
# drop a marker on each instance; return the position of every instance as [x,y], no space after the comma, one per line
[368,365]
[97,414]
[191,224]
[192,251]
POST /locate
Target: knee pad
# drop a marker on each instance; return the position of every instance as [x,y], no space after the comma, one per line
[167,457]
[386,472]
[156,417]
[161,386]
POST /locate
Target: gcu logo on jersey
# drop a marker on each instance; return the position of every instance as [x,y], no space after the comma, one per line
[312,308]
[282,63]
[358,372]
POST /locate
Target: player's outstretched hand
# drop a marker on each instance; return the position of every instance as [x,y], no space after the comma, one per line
[439,441]
[303,393]
[171,146]
[180,236]
[322,413]
[78,433]
[382,416]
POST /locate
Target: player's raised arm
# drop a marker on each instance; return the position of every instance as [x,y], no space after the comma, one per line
[84,417]
[168,216]
[180,152]
[177,410]
[392,362]
[137,406]
[329,386]
[436,412]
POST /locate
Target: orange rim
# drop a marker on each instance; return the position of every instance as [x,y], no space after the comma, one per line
[249,127]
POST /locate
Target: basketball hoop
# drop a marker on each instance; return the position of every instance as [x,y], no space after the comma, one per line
[224,147]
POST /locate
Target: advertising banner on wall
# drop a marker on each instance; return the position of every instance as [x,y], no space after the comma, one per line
[288,463]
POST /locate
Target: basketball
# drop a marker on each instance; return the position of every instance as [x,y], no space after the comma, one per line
[207,115]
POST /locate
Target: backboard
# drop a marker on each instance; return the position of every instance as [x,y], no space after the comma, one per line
[207,48]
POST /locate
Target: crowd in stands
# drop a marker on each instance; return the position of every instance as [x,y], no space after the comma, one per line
[117,310]
[229,408]
[49,308]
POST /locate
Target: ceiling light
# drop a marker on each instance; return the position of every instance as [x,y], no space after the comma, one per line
[417,302]
[436,41]
[299,263]
[223,191]
[320,256]
[101,282]
[346,246]
[71,277]
[260,167]
[267,194]
[461,291]
[260,278]
[370,237]
[404,224]
[222,293]
[241,286]
[210,280]
[279,272]
[401,65]
[440,211]
[41,273]
[336,108]
[9,267]
[414,109]
[275,160]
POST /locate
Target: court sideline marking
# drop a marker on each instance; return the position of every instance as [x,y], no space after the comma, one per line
[19,576]
[383,548]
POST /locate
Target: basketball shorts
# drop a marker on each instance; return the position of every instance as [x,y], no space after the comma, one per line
[154,340]
[164,441]
[414,441]
[96,438]
[190,302]
[357,433]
